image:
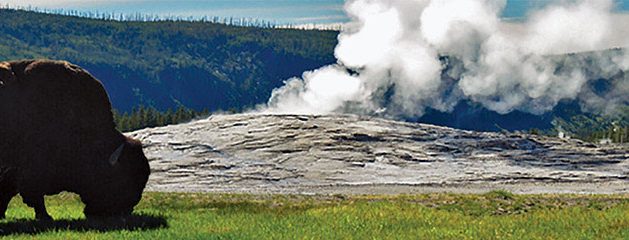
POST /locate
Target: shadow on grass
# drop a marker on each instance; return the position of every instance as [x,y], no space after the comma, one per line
[133,223]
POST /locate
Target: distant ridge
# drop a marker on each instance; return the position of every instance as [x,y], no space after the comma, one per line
[198,64]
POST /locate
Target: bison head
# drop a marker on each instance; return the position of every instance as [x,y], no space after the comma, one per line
[124,180]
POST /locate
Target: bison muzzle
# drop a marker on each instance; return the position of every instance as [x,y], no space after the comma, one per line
[57,134]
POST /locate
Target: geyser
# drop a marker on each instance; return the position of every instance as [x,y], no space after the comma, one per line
[399,57]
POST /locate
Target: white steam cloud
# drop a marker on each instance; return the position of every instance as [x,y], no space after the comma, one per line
[399,57]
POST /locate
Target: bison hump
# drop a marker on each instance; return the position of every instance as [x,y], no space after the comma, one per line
[64,95]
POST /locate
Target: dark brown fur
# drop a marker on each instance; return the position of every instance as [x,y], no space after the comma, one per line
[57,134]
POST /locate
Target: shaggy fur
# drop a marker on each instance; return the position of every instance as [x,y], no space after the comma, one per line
[57,134]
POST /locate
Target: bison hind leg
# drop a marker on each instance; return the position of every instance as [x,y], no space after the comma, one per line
[36,201]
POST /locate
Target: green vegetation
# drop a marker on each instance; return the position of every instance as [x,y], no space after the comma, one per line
[495,215]
[593,128]
[615,134]
[584,128]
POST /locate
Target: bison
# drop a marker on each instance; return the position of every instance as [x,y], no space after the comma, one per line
[57,133]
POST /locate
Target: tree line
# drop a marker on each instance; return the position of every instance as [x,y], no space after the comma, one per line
[148,17]
[615,134]
[146,117]
[612,134]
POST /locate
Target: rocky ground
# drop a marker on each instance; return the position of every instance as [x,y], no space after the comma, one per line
[249,153]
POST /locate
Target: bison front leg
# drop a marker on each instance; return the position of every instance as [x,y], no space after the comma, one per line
[5,197]
[36,201]
[7,191]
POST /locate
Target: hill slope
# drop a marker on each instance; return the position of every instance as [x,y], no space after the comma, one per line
[164,64]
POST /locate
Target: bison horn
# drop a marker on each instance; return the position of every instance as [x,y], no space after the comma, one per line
[113,159]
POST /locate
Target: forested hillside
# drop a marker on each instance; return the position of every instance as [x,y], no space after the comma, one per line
[165,64]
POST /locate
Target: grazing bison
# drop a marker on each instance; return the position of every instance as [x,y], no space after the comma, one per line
[57,134]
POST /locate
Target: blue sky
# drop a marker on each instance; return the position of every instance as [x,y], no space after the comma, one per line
[518,8]
[280,11]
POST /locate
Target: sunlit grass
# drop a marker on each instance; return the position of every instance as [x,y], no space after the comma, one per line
[496,215]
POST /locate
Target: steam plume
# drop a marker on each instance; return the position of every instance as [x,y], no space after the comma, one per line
[399,57]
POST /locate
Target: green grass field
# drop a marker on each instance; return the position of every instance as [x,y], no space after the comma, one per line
[495,215]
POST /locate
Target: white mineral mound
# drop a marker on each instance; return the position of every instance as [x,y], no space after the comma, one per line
[250,153]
